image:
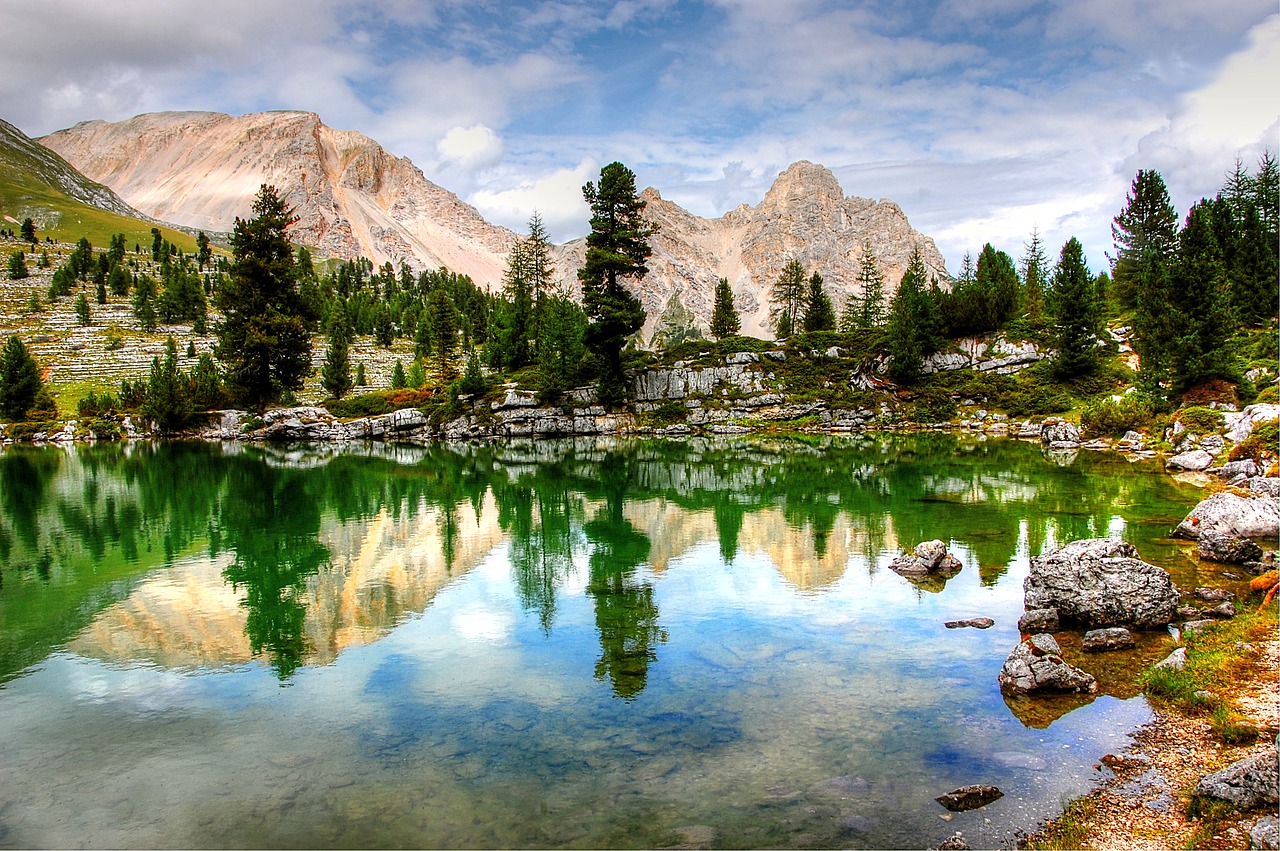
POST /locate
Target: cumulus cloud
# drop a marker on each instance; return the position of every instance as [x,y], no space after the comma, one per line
[473,148]
[556,196]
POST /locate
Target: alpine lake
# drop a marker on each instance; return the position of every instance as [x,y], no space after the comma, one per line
[604,643]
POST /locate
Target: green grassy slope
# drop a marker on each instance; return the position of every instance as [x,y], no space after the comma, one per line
[38,184]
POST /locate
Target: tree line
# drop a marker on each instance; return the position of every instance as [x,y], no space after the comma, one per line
[1187,290]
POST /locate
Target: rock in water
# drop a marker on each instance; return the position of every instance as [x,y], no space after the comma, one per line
[1245,784]
[1038,620]
[955,842]
[976,623]
[1233,515]
[1108,638]
[969,797]
[928,557]
[1101,582]
[1226,548]
[1037,664]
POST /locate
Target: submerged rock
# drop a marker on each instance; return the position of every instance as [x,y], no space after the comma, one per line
[1101,582]
[1037,664]
[1108,638]
[969,797]
[1245,784]
[976,623]
[1227,549]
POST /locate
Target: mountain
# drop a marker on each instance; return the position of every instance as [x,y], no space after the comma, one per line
[38,184]
[805,215]
[353,198]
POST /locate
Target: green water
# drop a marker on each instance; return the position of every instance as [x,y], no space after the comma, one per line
[605,643]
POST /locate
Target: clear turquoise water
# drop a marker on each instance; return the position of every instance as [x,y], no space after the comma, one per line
[580,644]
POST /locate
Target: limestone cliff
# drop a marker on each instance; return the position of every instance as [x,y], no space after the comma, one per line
[352,197]
[804,215]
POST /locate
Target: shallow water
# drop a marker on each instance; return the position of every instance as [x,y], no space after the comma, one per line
[605,643]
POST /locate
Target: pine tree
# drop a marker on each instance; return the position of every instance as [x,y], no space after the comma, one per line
[20,381]
[335,374]
[17,266]
[1202,323]
[787,295]
[166,402]
[724,316]
[1145,232]
[1076,313]
[398,379]
[82,310]
[819,315]
[617,249]
[264,339]
[443,317]
[1034,275]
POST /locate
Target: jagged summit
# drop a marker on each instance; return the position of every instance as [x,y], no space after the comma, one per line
[353,198]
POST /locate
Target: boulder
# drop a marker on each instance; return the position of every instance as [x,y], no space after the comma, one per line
[956,842]
[1059,434]
[1265,834]
[976,623]
[1265,486]
[1227,548]
[929,557]
[1245,421]
[1231,514]
[1177,660]
[1197,460]
[1197,626]
[1107,638]
[1101,582]
[1038,620]
[969,797]
[1037,665]
[1246,467]
[1245,784]
[1226,609]
[1214,595]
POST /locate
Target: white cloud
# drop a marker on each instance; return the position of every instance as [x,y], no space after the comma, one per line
[472,148]
[556,196]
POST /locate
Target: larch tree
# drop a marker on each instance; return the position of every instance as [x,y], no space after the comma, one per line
[787,294]
[617,249]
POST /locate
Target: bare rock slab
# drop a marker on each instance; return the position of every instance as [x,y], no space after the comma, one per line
[1101,582]
[1245,784]
[1037,665]
[969,797]
[1106,639]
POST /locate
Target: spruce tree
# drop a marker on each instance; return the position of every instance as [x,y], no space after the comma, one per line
[787,295]
[264,339]
[82,310]
[866,310]
[617,249]
[914,330]
[28,231]
[819,315]
[1076,313]
[17,266]
[144,303]
[562,346]
[443,317]
[166,401]
[724,316]
[19,380]
[398,379]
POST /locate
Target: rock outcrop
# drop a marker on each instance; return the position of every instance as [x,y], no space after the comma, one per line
[1245,784]
[1101,582]
[1037,665]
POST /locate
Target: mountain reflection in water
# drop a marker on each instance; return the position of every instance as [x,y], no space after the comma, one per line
[695,632]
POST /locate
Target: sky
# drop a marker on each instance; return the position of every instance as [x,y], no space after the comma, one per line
[983,119]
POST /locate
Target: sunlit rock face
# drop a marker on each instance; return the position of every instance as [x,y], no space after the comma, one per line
[381,571]
[805,215]
[352,197]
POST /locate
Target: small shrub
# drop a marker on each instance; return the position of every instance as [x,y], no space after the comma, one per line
[1268,395]
[1261,445]
[1227,726]
[1199,420]
[932,406]
[668,413]
[1112,417]
[1216,390]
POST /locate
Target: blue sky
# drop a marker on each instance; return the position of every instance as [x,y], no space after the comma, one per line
[983,119]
